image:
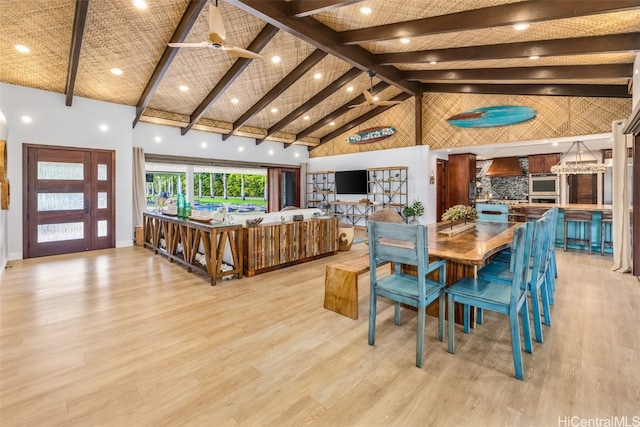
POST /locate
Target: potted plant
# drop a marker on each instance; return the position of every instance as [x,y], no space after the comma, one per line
[414,210]
[458,212]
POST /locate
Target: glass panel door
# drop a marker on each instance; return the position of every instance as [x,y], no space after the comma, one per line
[69,200]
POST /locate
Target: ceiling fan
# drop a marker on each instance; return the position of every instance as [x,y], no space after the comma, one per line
[369,99]
[217,37]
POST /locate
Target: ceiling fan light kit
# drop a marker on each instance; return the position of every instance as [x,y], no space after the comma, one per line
[369,99]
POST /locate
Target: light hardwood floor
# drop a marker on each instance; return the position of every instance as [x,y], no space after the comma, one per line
[122,337]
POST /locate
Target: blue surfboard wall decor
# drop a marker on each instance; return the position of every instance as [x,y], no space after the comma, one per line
[488,117]
[371,135]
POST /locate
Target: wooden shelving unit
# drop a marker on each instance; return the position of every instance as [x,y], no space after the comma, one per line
[388,187]
[320,188]
[352,212]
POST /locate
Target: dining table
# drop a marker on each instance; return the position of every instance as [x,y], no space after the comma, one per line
[465,252]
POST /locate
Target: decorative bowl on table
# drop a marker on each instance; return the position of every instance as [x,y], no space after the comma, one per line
[254,222]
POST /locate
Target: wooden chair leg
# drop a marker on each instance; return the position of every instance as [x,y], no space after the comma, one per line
[515,344]
[451,325]
[466,318]
[396,314]
[372,317]
[535,304]
[441,316]
[526,327]
[544,293]
[420,339]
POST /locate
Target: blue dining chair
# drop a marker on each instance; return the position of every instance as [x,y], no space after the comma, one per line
[497,212]
[404,244]
[536,281]
[510,300]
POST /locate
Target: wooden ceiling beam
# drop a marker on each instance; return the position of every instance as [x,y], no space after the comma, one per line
[596,91]
[256,45]
[301,8]
[542,48]
[179,35]
[363,118]
[487,17]
[338,112]
[278,89]
[315,100]
[323,37]
[79,21]
[600,71]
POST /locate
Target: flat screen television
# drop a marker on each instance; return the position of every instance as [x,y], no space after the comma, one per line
[351,182]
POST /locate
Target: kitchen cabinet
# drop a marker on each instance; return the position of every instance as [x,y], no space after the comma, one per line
[541,163]
[461,177]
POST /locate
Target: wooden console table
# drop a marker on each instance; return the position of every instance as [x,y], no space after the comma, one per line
[194,236]
[268,247]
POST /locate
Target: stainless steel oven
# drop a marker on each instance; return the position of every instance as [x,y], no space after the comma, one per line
[544,199]
[544,187]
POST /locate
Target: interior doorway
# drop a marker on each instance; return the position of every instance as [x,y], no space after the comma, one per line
[583,188]
[70,200]
[442,203]
[283,188]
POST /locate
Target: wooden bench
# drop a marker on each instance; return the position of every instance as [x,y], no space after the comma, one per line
[341,285]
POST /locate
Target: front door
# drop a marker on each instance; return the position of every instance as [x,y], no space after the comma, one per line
[69,201]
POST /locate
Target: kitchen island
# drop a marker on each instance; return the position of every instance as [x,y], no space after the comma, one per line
[534,210]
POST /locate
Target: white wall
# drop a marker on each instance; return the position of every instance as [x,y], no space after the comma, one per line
[78,126]
[635,95]
[417,159]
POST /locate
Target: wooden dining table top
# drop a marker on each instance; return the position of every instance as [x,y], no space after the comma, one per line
[473,246]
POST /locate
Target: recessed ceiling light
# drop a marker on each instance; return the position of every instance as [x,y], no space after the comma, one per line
[376,98]
[203,145]
[317,76]
[22,48]
[449,150]
[297,154]
[104,127]
[271,152]
[275,59]
[140,4]
[433,62]
[534,57]
[183,88]
[404,40]
[157,139]
[274,110]
[26,119]
[555,144]
[521,26]
[235,100]
[332,124]
[365,10]
[306,117]
[116,71]
[240,148]
[350,89]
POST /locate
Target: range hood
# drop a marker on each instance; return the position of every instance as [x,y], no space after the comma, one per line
[505,166]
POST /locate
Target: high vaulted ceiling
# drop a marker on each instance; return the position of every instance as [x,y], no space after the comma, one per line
[583,48]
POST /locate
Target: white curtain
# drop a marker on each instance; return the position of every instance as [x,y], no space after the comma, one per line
[139,183]
[620,202]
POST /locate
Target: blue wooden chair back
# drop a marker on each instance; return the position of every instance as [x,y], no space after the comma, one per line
[521,248]
[399,243]
[492,212]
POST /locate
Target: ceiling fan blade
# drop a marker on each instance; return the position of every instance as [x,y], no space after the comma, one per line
[216,24]
[200,44]
[242,53]
[385,103]
[364,104]
[368,97]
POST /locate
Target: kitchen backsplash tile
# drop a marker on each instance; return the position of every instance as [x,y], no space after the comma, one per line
[503,188]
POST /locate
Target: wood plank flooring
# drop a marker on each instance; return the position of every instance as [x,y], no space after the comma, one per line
[122,337]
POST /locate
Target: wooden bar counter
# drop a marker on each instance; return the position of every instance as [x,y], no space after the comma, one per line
[206,239]
[271,246]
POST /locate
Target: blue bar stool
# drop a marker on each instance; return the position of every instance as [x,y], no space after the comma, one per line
[582,221]
[606,223]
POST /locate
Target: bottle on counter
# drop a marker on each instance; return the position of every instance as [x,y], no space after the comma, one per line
[181,205]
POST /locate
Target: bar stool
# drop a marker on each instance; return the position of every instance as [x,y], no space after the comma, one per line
[606,223]
[582,220]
